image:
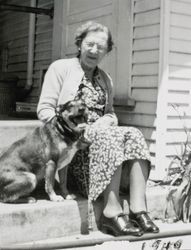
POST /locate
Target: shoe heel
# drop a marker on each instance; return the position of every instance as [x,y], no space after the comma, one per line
[107,230]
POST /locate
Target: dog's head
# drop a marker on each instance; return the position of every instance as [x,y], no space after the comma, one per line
[72,114]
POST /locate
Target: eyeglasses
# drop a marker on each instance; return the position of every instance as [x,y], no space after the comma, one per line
[100,47]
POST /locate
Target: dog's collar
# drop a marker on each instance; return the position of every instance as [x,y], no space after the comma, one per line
[63,128]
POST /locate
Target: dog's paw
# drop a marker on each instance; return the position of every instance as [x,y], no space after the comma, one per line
[70,197]
[57,198]
[31,199]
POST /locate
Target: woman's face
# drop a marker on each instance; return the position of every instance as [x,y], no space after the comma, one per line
[93,48]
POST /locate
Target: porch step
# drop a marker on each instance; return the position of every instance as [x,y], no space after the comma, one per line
[45,219]
[99,241]
[42,220]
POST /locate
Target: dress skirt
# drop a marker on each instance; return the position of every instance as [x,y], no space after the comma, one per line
[110,147]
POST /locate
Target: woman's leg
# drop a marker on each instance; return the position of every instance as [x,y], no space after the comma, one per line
[138,176]
[139,172]
[112,206]
[113,220]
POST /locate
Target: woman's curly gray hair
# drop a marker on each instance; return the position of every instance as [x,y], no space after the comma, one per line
[84,29]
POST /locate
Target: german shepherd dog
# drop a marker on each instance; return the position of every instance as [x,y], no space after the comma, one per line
[40,154]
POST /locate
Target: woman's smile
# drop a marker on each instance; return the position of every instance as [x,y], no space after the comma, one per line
[93,58]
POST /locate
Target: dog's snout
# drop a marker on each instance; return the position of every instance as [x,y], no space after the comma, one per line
[82,108]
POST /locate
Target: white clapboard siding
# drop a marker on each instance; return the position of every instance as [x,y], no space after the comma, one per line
[146,44]
[84,6]
[149,95]
[145,69]
[145,81]
[172,150]
[179,84]
[177,123]
[180,20]
[180,72]
[178,137]
[178,33]
[145,107]
[91,14]
[140,120]
[146,5]
[150,56]
[178,111]
[180,59]
[152,30]
[179,98]
[184,1]
[181,7]
[180,46]
[147,18]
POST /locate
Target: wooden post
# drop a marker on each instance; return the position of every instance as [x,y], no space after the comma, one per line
[58,41]
[161,122]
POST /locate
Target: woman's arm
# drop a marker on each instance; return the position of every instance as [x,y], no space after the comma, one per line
[50,93]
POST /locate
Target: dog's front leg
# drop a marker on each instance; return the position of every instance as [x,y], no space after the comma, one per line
[49,181]
[62,173]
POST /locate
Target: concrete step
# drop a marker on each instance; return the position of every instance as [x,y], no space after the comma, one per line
[169,233]
[41,220]
[45,219]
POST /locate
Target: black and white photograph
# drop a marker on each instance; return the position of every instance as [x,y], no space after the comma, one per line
[95,124]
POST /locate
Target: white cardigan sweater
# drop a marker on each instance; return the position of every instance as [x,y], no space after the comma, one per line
[61,83]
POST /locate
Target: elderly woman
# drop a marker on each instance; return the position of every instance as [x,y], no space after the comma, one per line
[97,169]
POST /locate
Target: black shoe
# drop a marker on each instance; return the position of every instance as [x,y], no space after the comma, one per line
[119,226]
[144,221]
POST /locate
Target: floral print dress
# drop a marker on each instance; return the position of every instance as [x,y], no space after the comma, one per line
[91,169]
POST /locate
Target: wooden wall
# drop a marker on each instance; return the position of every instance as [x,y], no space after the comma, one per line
[72,14]
[14,41]
[145,38]
[150,62]
[179,84]
[115,15]
[14,29]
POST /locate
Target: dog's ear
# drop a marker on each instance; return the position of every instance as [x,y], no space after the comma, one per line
[60,108]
